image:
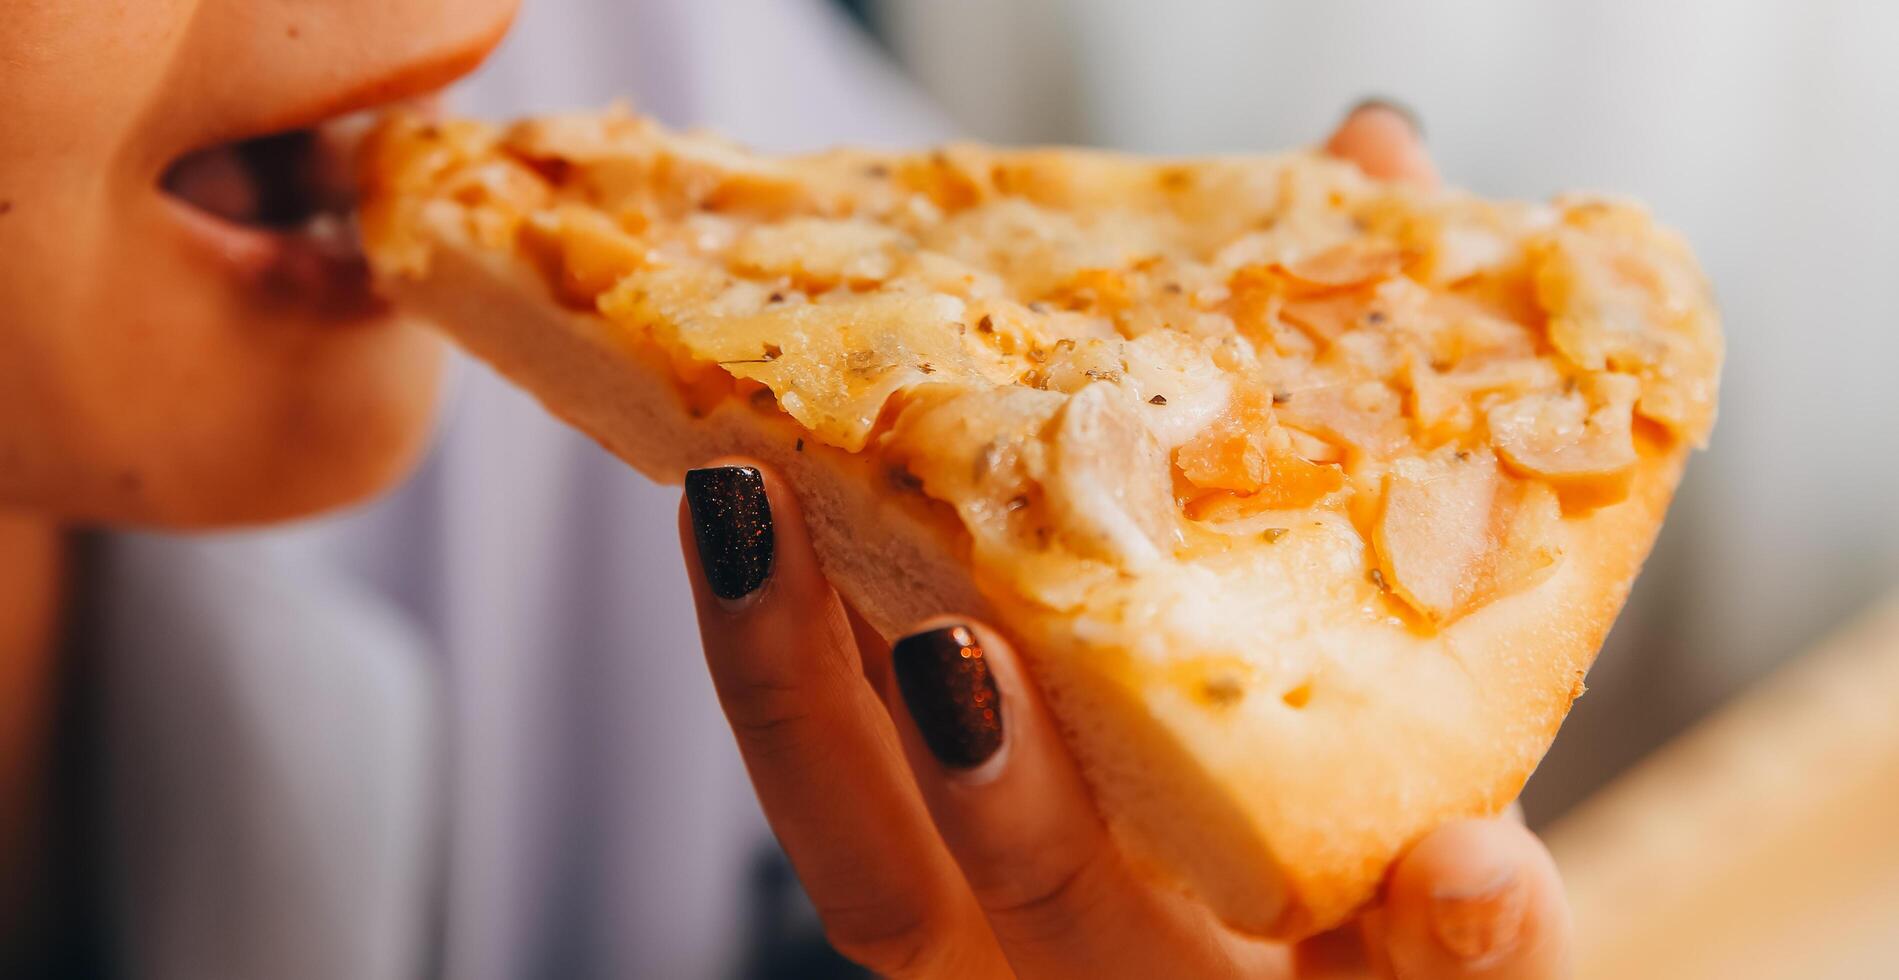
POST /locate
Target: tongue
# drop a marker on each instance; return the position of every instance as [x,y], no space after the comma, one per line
[217,181]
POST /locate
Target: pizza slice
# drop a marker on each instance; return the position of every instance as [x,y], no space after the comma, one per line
[1308,498]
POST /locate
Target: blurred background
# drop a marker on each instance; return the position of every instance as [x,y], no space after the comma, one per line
[509,761]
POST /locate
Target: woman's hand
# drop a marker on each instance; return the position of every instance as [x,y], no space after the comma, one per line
[939,824]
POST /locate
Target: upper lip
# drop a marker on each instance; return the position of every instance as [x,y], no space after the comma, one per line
[277,209]
[406,82]
[393,84]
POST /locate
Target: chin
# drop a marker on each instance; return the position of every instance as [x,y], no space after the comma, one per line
[347,428]
[325,425]
[259,378]
[238,414]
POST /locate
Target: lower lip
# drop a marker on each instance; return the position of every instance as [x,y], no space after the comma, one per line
[290,268]
[318,268]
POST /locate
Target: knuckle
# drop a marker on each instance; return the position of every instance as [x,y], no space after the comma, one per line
[784,696]
[774,685]
[1042,892]
[768,715]
[892,939]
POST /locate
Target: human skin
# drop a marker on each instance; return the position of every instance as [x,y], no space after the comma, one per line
[161,366]
[158,366]
[922,865]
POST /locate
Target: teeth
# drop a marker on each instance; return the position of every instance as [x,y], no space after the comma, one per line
[300,178]
[350,127]
[281,181]
[333,233]
[336,236]
[326,227]
[330,172]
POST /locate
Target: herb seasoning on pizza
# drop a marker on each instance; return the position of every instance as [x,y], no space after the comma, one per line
[1308,497]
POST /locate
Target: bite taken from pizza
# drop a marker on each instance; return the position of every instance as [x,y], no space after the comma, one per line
[1308,498]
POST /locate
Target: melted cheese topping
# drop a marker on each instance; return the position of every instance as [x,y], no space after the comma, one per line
[1127,376]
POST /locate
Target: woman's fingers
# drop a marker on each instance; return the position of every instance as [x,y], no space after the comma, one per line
[1477,899]
[1384,139]
[1002,852]
[1012,807]
[817,742]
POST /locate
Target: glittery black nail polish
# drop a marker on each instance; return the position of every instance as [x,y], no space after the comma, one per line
[731,524]
[947,686]
[1394,106]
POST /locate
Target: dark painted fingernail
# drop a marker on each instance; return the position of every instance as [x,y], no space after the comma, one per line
[1393,106]
[946,684]
[1483,922]
[731,524]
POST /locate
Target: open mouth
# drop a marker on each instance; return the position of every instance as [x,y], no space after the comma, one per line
[280,208]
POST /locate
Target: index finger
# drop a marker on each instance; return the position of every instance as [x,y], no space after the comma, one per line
[1385,140]
[817,743]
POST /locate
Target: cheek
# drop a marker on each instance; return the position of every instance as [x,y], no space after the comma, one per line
[191,400]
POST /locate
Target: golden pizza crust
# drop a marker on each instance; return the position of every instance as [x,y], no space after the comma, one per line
[1307,499]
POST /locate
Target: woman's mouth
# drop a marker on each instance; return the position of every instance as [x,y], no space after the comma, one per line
[280,209]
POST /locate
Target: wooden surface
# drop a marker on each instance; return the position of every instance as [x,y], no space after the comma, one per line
[1764,843]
